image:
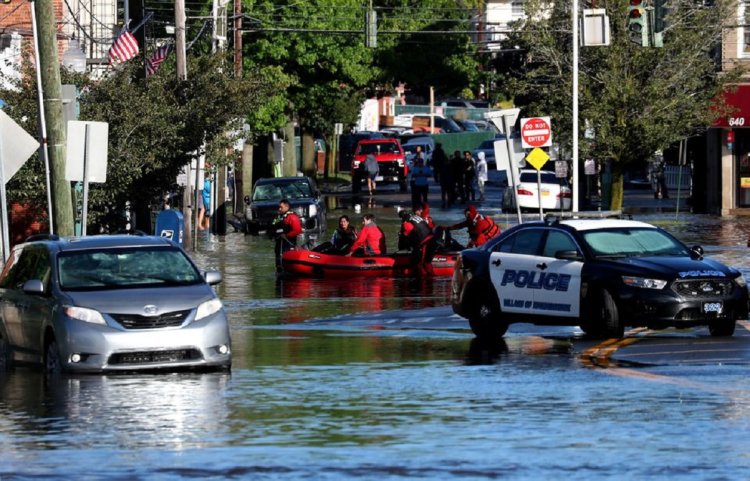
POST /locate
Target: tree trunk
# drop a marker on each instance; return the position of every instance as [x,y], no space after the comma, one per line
[617,187]
[290,151]
[308,154]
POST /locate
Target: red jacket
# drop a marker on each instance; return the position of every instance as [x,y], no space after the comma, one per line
[370,238]
[481,229]
[292,225]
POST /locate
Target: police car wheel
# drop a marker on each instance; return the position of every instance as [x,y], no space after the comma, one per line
[610,316]
[486,319]
[724,328]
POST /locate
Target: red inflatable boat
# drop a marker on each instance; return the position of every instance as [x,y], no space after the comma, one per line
[309,263]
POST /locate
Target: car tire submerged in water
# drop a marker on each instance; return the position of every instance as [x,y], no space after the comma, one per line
[52,361]
[5,361]
[723,328]
[486,319]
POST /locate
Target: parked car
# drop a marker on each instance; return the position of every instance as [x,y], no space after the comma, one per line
[421,123]
[110,303]
[556,194]
[410,149]
[391,162]
[348,142]
[599,274]
[305,199]
[488,147]
[467,125]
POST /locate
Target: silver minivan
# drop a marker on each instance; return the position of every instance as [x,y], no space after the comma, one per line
[110,303]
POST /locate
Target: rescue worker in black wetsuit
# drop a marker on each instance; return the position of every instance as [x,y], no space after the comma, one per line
[416,235]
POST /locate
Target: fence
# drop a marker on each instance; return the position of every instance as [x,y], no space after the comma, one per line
[678,176]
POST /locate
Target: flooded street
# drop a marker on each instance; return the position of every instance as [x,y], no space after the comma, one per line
[377,379]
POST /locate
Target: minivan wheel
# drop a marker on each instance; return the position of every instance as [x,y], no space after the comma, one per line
[52,361]
[5,361]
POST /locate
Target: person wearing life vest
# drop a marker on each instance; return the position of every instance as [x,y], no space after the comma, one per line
[370,241]
[481,228]
[416,235]
[286,230]
[344,236]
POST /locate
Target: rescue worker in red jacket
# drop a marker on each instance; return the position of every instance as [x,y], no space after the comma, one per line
[416,235]
[370,241]
[481,228]
[286,229]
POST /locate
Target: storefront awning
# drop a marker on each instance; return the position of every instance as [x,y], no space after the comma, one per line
[738,102]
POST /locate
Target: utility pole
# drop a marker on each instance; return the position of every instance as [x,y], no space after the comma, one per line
[238,39]
[62,205]
[187,197]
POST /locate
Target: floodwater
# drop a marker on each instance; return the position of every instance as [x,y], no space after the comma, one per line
[377,379]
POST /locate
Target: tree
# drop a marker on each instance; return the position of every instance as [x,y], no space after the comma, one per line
[320,46]
[156,127]
[638,100]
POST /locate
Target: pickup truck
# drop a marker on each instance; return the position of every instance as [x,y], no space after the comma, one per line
[391,161]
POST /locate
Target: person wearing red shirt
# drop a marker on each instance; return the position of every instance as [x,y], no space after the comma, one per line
[287,228]
[370,240]
[481,228]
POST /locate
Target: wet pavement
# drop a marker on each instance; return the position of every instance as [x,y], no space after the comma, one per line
[378,380]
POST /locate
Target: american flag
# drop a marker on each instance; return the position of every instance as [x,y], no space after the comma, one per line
[159,56]
[123,48]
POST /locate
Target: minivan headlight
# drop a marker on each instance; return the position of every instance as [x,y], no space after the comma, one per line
[207,308]
[84,314]
[644,282]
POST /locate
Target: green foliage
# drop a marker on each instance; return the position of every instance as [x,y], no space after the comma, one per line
[156,127]
[320,46]
[636,99]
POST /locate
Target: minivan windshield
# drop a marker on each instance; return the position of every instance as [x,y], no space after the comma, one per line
[125,268]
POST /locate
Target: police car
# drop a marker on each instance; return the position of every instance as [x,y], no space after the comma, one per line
[599,274]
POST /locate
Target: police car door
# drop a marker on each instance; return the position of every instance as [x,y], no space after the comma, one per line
[511,265]
[558,280]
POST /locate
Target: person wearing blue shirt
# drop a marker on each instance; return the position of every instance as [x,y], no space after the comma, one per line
[204,218]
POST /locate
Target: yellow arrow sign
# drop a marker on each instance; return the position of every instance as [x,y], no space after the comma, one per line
[537,157]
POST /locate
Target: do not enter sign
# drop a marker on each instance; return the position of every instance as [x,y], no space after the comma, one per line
[536,132]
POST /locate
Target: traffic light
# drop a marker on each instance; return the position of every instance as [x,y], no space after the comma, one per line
[638,24]
[661,11]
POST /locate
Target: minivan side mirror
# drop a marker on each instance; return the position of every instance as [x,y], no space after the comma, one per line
[33,286]
[212,277]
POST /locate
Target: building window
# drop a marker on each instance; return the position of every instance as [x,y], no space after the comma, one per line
[743,32]
[516,8]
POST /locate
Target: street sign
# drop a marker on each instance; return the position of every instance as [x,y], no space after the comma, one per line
[561,169]
[536,132]
[17,146]
[537,158]
[90,149]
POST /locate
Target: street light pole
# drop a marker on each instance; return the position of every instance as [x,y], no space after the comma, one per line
[575,105]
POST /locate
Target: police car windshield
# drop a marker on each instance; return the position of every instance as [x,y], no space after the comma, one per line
[623,242]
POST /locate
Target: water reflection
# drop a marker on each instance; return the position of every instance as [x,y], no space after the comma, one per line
[125,411]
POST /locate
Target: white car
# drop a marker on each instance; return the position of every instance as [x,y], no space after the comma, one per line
[556,193]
